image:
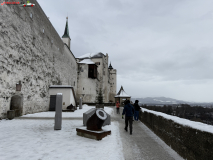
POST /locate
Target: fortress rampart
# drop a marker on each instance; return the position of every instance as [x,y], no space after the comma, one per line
[190,143]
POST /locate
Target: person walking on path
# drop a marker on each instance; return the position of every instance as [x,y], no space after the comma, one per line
[137,109]
[118,107]
[129,112]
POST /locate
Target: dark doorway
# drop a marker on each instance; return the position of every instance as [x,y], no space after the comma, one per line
[52,102]
[17,105]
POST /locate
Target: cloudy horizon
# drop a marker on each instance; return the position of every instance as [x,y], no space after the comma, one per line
[159,48]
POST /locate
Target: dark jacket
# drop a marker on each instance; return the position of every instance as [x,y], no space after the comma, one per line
[137,107]
[128,110]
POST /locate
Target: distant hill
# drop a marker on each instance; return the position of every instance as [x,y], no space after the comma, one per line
[166,101]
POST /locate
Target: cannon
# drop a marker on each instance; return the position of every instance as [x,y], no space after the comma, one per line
[96,121]
[94,126]
[89,113]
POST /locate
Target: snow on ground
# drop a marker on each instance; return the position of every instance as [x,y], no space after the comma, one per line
[77,113]
[36,139]
[185,122]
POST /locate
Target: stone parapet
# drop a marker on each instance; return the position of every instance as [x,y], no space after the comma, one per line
[188,142]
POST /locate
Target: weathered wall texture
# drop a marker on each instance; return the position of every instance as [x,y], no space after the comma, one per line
[87,87]
[68,97]
[190,143]
[104,76]
[31,51]
[90,87]
[113,84]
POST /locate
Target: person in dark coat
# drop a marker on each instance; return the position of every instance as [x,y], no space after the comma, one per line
[137,109]
[129,112]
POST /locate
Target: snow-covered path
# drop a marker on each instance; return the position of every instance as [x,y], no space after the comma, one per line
[36,139]
[143,144]
[33,137]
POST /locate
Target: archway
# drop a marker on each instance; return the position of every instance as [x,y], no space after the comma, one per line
[17,104]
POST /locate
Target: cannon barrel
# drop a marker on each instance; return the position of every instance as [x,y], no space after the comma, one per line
[96,121]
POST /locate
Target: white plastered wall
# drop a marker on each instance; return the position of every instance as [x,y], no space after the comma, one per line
[68,97]
[86,86]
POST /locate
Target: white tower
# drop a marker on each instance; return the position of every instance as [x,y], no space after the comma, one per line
[113,83]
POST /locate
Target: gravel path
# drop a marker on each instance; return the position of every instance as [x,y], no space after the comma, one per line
[143,144]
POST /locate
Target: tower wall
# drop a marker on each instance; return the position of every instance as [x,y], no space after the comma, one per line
[66,41]
[103,77]
[113,84]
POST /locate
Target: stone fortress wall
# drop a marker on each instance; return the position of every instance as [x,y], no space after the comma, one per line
[189,143]
[31,51]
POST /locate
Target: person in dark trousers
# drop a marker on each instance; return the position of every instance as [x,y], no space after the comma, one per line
[137,109]
[118,107]
[129,112]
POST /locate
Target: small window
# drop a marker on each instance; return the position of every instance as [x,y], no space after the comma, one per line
[97,63]
[74,83]
[83,88]
[34,39]
[31,15]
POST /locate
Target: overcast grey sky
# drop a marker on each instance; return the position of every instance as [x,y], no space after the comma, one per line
[159,47]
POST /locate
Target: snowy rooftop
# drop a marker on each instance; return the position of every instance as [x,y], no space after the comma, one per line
[122,93]
[87,61]
[91,55]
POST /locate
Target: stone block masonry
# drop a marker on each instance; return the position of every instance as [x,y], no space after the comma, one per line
[190,143]
[31,51]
